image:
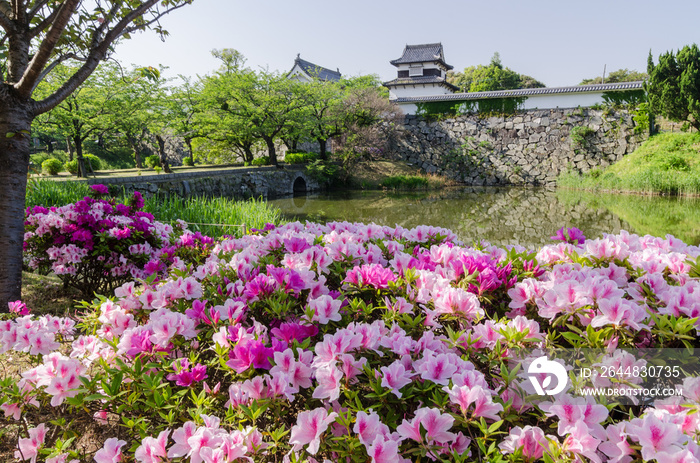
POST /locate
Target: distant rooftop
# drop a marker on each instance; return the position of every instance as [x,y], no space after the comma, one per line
[422,53]
[639,85]
[314,70]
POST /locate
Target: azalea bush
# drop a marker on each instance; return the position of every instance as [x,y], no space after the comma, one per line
[351,342]
[97,244]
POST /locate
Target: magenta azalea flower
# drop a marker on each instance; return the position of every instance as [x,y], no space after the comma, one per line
[18,307]
[370,275]
[570,235]
[99,189]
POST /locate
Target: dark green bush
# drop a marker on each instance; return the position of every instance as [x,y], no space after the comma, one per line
[187,161]
[52,166]
[263,161]
[300,158]
[152,161]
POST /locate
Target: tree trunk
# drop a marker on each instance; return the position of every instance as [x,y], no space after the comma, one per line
[272,155]
[248,153]
[163,158]
[69,147]
[82,170]
[188,142]
[322,142]
[15,126]
[137,155]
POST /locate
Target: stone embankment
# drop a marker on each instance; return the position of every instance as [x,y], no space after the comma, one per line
[528,148]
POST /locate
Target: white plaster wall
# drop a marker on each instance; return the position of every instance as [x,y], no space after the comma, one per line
[417,90]
[571,100]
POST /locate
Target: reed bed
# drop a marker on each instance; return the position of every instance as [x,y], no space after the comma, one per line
[214,217]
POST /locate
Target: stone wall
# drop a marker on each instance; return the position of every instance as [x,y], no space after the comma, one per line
[245,182]
[529,148]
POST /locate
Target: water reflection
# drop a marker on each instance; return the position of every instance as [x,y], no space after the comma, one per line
[526,216]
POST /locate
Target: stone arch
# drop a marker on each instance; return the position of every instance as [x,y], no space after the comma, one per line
[299,187]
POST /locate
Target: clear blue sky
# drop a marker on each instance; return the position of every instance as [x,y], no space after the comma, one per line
[558,42]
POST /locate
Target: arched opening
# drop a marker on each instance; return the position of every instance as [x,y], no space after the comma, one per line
[299,187]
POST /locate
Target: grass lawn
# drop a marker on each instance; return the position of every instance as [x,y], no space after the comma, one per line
[668,163]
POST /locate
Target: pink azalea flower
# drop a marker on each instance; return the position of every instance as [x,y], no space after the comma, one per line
[369,426]
[326,309]
[152,450]
[436,426]
[656,436]
[436,368]
[110,452]
[29,447]
[328,383]
[580,442]
[310,425]
[384,450]
[395,376]
[530,440]
[616,446]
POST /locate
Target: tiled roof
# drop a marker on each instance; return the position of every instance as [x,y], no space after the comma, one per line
[524,92]
[420,80]
[422,53]
[317,71]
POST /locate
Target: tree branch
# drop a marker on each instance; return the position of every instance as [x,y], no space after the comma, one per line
[36,30]
[31,74]
[96,54]
[35,9]
[20,14]
[51,66]
[6,23]
[156,19]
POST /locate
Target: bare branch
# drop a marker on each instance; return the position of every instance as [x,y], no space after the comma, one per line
[31,74]
[157,18]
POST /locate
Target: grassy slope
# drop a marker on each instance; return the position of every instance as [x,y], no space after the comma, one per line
[370,175]
[667,163]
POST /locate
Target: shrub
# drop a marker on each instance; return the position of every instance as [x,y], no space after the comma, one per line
[52,166]
[579,134]
[187,161]
[94,161]
[152,161]
[350,342]
[300,158]
[263,161]
[95,244]
[72,166]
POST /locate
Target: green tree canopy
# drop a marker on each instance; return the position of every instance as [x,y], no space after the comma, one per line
[673,87]
[621,75]
[492,77]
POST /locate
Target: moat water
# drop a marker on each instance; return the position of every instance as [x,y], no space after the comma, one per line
[525,216]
